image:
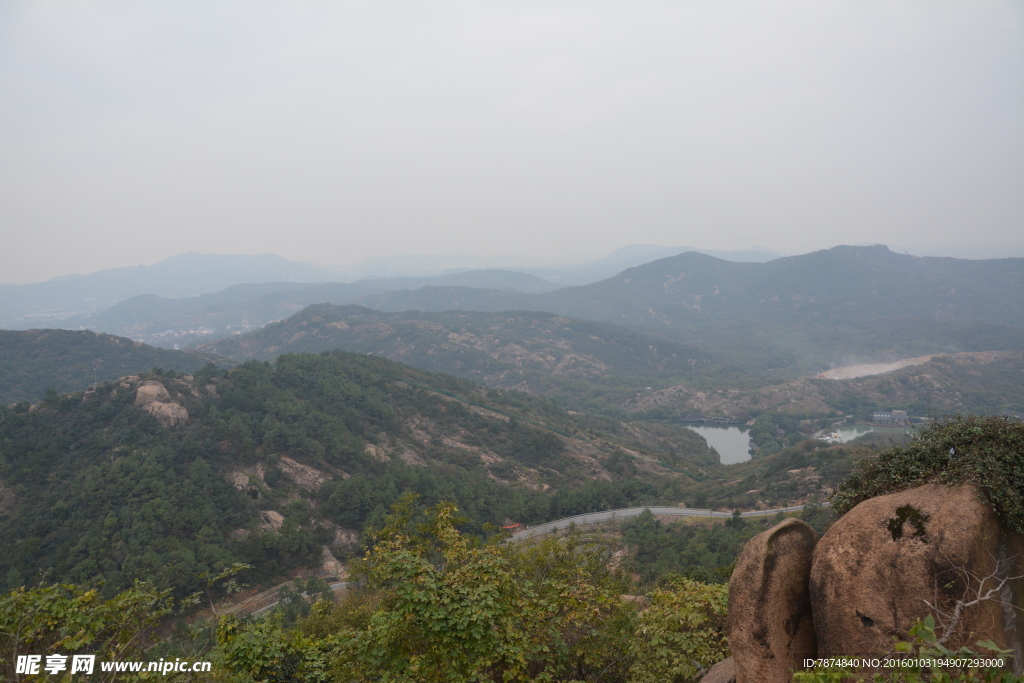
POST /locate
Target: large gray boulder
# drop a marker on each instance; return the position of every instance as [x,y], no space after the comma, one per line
[770,623]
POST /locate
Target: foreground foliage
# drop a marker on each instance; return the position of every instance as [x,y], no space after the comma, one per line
[680,633]
[440,606]
[62,619]
[434,605]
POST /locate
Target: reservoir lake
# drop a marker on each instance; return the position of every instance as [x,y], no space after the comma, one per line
[732,445]
[731,442]
[851,432]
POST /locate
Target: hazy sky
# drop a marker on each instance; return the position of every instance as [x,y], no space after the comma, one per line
[337,131]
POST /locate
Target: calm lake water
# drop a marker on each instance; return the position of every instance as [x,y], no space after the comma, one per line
[730,442]
[851,432]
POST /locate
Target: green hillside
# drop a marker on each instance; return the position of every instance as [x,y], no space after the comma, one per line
[585,365]
[275,461]
[35,361]
[617,370]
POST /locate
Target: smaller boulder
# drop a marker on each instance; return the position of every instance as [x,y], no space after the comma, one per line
[153,397]
[272,520]
[723,672]
[330,565]
[770,625]
[167,414]
[149,392]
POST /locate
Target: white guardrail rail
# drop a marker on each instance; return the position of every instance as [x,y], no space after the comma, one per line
[263,609]
[623,513]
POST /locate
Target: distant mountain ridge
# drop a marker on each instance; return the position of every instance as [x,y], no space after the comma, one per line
[569,272]
[798,314]
[191,274]
[833,284]
[634,255]
[491,278]
[181,322]
[865,282]
[787,316]
[67,298]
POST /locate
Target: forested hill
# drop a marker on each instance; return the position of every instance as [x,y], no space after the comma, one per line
[618,370]
[580,363]
[166,477]
[35,361]
[835,285]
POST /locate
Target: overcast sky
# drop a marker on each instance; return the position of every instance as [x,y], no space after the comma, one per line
[337,131]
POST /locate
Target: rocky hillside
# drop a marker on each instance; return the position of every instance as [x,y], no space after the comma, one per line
[166,476]
[590,365]
[579,362]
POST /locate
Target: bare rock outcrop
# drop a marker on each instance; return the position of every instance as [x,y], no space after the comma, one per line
[272,520]
[153,397]
[722,672]
[305,476]
[151,391]
[7,499]
[345,537]
[330,565]
[897,558]
[771,629]
[239,480]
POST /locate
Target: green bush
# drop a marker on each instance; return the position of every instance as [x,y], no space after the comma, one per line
[436,605]
[680,633]
[985,451]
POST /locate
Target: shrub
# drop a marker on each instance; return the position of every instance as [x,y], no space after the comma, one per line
[987,452]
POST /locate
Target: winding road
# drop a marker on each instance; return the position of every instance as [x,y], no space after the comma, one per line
[609,515]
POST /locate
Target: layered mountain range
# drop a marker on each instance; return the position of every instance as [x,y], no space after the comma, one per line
[798,314]
[690,320]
